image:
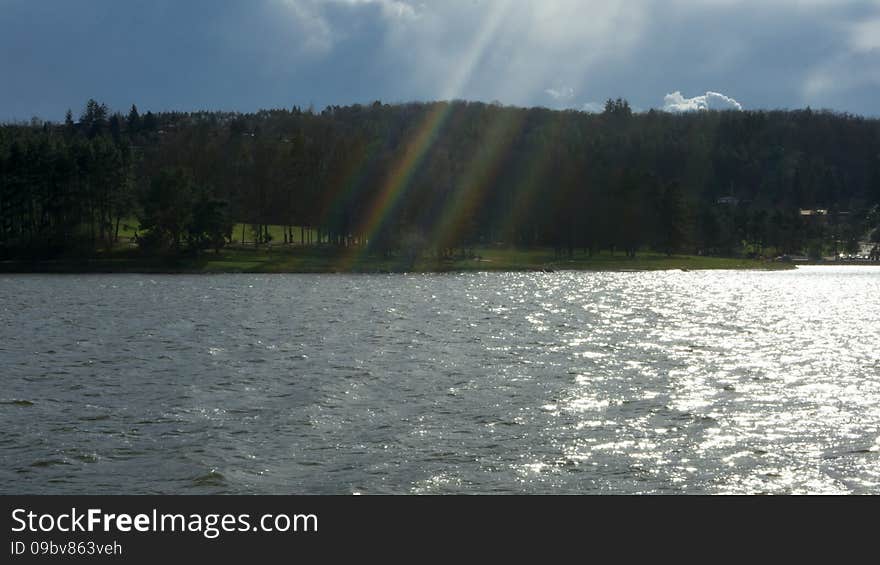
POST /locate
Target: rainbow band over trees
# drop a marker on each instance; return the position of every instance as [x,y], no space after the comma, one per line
[399,179]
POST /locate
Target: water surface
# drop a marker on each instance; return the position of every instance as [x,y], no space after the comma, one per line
[665,382]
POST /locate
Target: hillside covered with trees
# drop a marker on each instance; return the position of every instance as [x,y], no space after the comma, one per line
[442,178]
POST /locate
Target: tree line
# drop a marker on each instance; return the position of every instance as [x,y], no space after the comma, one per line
[442,178]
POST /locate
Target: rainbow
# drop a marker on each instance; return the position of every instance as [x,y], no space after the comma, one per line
[415,150]
[481,173]
[400,177]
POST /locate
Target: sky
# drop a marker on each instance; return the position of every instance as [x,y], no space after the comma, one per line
[244,55]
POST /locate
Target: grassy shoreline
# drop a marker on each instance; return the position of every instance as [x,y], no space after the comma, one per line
[329,260]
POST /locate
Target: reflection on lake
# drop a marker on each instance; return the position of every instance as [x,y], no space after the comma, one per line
[665,382]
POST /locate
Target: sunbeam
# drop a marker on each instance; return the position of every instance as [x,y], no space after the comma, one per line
[424,136]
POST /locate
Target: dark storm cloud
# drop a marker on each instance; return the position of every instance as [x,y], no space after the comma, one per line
[242,55]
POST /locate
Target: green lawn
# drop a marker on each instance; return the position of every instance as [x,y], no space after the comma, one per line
[276,232]
[128,228]
[280,258]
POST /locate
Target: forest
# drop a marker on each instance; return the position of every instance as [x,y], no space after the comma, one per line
[441,179]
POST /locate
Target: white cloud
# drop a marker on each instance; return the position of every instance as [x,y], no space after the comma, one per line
[865,36]
[392,9]
[318,33]
[675,102]
[513,50]
[483,49]
[315,33]
[561,94]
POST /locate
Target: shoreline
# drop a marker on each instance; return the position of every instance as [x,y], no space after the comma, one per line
[324,261]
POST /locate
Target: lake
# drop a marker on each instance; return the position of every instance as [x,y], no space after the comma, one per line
[570,382]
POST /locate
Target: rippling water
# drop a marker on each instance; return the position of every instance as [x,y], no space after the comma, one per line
[666,382]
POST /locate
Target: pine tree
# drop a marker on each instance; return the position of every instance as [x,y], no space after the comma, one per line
[134,120]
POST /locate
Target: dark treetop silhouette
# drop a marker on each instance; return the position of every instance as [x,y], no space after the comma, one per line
[442,178]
